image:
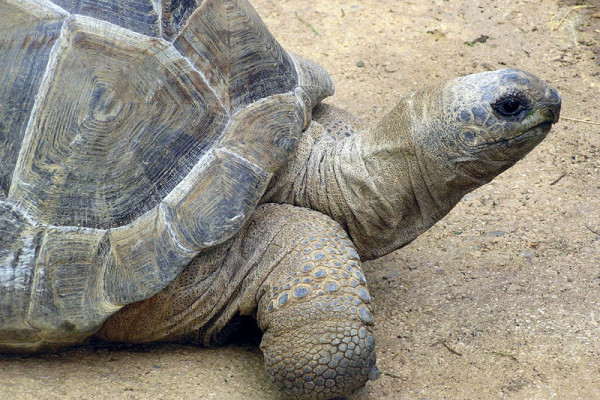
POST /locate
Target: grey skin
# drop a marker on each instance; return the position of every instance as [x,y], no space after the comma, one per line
[349,194]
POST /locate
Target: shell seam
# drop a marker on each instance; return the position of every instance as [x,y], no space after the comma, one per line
[208,85]
[158,10]
[35,281]
[161,211]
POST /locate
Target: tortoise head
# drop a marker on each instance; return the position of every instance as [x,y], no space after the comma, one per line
[486,122]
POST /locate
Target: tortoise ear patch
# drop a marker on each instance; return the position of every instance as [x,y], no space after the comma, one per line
[136,121]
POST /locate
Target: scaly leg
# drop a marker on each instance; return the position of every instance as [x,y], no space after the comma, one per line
[315,313]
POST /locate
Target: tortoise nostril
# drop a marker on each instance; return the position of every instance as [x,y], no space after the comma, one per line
[553,101]
[553,97]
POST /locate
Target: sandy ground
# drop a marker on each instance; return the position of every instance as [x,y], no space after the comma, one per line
[500,299]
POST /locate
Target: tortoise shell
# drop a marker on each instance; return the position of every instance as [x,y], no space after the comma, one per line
[133,135]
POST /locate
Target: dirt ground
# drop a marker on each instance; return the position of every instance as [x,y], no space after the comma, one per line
[499,300]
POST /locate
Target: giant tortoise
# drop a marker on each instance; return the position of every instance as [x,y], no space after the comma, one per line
[167,167]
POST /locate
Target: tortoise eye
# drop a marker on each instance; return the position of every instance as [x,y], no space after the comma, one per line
[510,107]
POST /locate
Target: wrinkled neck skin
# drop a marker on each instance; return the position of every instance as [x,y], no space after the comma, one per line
[384,185]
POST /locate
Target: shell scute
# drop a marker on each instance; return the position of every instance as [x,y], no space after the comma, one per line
[228,42]
[19,240]
[245,134]
[220,195]
[68,279]
[28,34]
[144,257]
[136,122]
[137,15]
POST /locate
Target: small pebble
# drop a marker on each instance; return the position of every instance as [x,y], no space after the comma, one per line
[527,254]
[391,275]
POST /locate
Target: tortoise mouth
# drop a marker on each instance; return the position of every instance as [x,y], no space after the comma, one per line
[541,129]
[538,132]
[507,149]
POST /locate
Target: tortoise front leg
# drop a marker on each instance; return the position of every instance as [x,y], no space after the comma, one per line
[296,271]
[314,311]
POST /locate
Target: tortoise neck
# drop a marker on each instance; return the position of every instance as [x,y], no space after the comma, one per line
[376,183]
[314,176]
[408,191]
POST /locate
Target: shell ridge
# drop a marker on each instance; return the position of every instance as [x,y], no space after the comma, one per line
[261,100]
[201,164]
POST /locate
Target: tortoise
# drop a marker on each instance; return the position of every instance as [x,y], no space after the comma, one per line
[167,167]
